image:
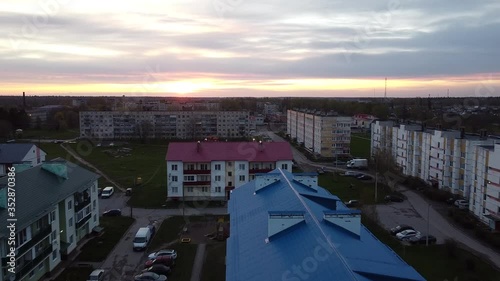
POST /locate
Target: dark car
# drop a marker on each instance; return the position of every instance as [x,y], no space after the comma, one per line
[150,276]
[159,269]
[165,260]
[352,203]
[422,239]
[394,198]
[364,177]
[112,213]
[399,228]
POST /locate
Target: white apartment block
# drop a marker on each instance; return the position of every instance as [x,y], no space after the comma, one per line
[164,124]
[492,202]
[450,160]
[210,170]
[56,207]
[322,134]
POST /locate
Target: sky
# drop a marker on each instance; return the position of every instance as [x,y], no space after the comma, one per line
[250,48]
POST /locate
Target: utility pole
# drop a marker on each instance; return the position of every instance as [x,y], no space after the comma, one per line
[427,236]
[376,186]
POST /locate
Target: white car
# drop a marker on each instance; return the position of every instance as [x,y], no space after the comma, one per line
[462,204]
[407,234]
[165,252]
[96,275]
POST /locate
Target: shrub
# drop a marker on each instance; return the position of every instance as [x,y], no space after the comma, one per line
[451,247]
[451,212]
[470,264]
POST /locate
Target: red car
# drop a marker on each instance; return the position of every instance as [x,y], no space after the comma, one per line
[165,260]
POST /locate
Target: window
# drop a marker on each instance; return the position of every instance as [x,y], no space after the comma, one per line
[70,204]
[174,167]
[229,174]
[95,218]
[284,166]
[22,236]
[53,236]
[31,273]
[230,183]
[203,167]
[54,254]
[94,204]
[188,178]
[204,189]
[217,189]
[217,178]
[40,266]
[175,189]
[94,188]
[174,178]
[190,189]
[242,166]
[242,178]
[217,167]
[71,239]
[52,216]
[439,144]
[438,155]
[70,222]
[229,164]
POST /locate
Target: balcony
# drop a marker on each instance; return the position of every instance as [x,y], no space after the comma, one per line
[255,171]
[197,172]
[82,204]
[83,221]
[192,183]
[27,267]
[44,232]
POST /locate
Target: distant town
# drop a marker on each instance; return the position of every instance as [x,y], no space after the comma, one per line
[131,188]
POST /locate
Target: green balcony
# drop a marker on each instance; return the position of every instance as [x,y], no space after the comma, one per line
[28,266]
[44,232]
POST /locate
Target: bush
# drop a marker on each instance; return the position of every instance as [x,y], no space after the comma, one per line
[451,212]
[470,264]
[451,247]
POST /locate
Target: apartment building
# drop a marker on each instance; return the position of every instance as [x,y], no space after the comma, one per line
[324,135]
[492,192]
[56,207]
[163,124]
[210,170]
[450,160]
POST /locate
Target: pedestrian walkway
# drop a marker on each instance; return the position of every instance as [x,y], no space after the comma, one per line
[449,230]
[198,262]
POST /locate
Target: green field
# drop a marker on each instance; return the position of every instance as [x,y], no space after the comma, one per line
[145,161]
[361,190]
[360,145]
[214,268]
[54,151]
[50,134]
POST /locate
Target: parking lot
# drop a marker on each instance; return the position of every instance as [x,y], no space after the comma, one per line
[397,213]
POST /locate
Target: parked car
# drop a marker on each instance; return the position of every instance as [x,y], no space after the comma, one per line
[399,228]
[165,260]
[422,239]
[364,177]
[164,252]
[462,204]
[352,203]
[352,174]
[321,170]
[112,213]
[150,276]
[407,234]
[96,275]
[394,198]
[159,269]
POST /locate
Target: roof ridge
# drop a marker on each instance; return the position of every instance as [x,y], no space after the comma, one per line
[317,223]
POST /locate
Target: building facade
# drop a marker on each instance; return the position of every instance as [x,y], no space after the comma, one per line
[56,207]
[163,124]
[324,135]
[449,160]
[20,155]
[210,170]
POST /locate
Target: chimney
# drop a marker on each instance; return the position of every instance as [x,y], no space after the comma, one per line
[24,100]
[261,146]
[462,132]
[198,146]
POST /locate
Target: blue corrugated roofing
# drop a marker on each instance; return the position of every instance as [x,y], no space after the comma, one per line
[314,250]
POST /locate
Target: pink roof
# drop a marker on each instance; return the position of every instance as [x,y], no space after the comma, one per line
[229,151]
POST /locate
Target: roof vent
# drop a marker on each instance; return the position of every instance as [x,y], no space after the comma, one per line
[307,179]
[282,220]
[349,220]
[264,180]
[57,168]
[198,146]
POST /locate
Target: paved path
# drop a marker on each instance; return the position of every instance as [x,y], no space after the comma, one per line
[198,262]
[436,220]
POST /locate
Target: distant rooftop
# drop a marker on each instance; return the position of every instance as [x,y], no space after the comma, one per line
[14,152]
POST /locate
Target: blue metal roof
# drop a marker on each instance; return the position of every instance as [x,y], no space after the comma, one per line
[314,249]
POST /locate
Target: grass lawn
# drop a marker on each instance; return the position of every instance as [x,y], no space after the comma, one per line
[360,146]
[50,134]
[214,268]
[145,161]
[184,262]
[362,190]
[54,151]
[167,232]
[433,262]
[75,274]
[97,249]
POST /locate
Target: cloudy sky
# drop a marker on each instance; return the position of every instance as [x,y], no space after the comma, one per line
[250,47]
